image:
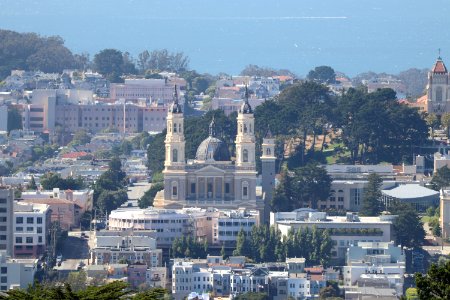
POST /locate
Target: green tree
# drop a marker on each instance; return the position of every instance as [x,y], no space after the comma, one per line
[14,119]
[435,284]
[112,291]
[330,291]
[81,137]
[433,123]
[49,181]
[147,199]
[408,227]
[311,184]
[445,121]
[441,178]
[371,204]
[322,74]
[77,280]
[252,296]
[153,294]
[242,245]
[109,62]
[32,184]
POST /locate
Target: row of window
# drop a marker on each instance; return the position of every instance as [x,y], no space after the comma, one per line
[30,220]
[28,240]
[243,224]
[29,229]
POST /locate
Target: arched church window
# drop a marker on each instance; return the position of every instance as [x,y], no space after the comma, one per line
[268,151]
[175,155]
[240,128]
[170,127]
[245,155]
[438,94]
[179,128]
[174,127]
[250,130]
[245,128]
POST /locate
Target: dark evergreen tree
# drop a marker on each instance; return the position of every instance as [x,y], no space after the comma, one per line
[408,227]
[441,178]
[371,202]
[435,284]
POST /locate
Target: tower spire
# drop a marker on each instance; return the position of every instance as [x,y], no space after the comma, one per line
[175,107]
[246,108]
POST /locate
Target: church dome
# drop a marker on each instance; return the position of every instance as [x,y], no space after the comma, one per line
[212,148]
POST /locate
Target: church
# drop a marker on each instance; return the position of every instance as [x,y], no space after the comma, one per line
[438,89]
[212,178]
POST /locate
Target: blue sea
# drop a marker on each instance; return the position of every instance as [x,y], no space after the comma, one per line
[352,36]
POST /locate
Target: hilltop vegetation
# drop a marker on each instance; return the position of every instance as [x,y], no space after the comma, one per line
[30,51]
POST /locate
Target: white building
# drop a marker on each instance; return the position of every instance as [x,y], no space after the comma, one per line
[216,226]
[377,264]
[344,230]
[111,247]
[16,273]
[31,225]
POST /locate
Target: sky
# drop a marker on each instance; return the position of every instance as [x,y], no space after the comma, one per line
[352,36]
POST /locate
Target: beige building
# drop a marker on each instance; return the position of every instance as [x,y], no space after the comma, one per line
[211,179]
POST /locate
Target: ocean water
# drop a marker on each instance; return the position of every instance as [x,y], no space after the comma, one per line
[352,36]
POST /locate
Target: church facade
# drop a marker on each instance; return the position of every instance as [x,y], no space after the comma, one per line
[212,179]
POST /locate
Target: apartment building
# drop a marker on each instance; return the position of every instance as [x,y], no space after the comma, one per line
[16,273]
[6,220]
[344,230]
[380,265]
[31,224]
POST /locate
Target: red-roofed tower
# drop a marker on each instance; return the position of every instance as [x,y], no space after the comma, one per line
[438,89]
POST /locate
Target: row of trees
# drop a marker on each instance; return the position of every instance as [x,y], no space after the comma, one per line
[112,291]
[189,247]
[266,244]
[375,127]
[50,181]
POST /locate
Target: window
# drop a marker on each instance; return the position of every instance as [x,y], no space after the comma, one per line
[4,279]
[4,270]
[40,239]
[39,220]
[39,230]
[3,219]
[332,199]
[268,152]
[29,229]
[227,188]
[19,220]
[30,220]
[174,191]
[29,240]
[2,200]
[18,240]
[245,155]
[245,191]
[174,155]
[192,188]
[174,127]
[340,199]
[19,229]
